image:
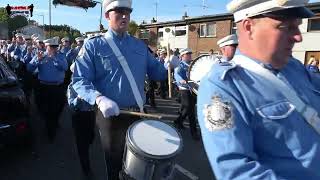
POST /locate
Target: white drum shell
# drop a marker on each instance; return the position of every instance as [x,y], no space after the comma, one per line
[141,166]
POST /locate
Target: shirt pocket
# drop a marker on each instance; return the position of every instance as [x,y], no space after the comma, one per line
[106,61]
[276,111]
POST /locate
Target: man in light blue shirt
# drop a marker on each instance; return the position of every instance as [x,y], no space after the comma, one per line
[250,128]
[187,107]
[50,94]
[228,46]
[99,78]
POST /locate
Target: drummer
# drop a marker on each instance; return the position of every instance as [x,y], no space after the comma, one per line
[228,46]
[187,107]
[99,78]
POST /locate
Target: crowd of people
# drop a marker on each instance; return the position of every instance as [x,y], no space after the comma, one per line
[257,107]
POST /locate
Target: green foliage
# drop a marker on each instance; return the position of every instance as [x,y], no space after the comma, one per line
[3,15]
[133,27]
[20,21]
[16,23]
[62,31]
[13,23]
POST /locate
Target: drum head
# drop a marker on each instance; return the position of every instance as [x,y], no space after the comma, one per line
[200,67]
[154,138]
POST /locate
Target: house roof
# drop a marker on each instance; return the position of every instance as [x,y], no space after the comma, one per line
[315,7]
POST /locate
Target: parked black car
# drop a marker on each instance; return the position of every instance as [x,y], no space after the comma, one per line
[14,110]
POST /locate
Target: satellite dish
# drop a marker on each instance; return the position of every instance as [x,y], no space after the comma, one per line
[167,30]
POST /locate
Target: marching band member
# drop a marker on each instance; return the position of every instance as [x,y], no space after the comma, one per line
[259,114]
[65,46]
[50,96]
[187,107]
[83,123]
[100,79]
[228,46]
[70,57]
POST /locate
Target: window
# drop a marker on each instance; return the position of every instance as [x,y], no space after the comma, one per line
[160,34]
[180,31]
[234,28]
[314,24]
[145,33]
[208,30]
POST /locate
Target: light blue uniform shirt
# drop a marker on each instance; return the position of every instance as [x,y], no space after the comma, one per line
[11,47]
[19,52]
[72,54]
[64,50]
[251,131]
[180,73]
[51,69]
[98,71]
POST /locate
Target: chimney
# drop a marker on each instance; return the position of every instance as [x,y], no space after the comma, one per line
[185,15]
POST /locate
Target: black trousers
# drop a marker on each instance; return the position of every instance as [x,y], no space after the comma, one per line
[187,110]
[163,88]
[113,134]
[50,100]
[83,123]
[150,92]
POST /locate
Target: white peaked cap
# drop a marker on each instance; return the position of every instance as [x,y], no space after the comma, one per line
[79,39]
[52,42]
[228,40]
[112,4]
[185,51]
[242,9]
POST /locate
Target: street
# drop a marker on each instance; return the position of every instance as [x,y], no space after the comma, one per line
[59,160]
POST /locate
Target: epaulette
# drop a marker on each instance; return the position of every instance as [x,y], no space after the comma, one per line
[227,66]
[95,36]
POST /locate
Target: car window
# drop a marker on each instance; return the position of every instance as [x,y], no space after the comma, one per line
[7,76]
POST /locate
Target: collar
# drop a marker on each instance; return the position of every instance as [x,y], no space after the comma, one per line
[265,65]
[185,63]
[116,35]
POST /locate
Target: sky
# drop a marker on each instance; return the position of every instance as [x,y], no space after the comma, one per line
[164,10]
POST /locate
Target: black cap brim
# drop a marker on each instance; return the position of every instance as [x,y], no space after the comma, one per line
[296,12]
[121,8]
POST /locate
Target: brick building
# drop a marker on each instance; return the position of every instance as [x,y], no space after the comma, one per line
[202,33]
[198,33]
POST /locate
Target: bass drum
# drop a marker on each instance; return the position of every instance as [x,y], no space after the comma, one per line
[199,67]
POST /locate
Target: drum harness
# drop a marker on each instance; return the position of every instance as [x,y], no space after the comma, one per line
[308,112]
[123,62]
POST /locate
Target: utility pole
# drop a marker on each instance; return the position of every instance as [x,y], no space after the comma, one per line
[157,10]
[49,18]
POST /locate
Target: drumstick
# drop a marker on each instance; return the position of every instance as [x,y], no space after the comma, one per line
[191,81]
[140,114]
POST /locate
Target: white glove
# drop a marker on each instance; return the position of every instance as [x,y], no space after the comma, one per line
[72,67]
[107,106]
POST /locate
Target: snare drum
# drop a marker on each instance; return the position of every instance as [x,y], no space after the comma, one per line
[150,151]
[199,67]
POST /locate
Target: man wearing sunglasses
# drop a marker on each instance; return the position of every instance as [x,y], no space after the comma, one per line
[259,113]
[101,78]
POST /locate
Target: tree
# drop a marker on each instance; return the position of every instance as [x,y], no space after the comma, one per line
[3,16]
[13,23]
[62,31]
[133,27]
[16,23]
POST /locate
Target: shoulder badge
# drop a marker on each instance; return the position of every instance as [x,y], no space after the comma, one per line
[95,36]
[218,115]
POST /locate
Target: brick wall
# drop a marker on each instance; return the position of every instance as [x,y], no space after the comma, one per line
[204,44]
